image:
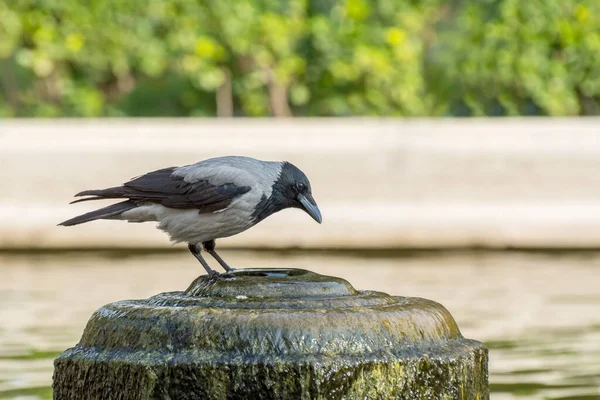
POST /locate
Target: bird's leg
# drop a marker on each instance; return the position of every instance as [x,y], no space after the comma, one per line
[209,246]
[196,252]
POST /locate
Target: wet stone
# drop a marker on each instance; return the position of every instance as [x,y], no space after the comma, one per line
[272,334]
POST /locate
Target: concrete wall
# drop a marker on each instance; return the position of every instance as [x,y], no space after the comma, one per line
[381,183]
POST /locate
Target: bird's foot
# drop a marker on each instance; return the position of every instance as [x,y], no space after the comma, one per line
[212,274]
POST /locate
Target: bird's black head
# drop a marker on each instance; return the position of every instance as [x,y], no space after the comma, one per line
[291,190]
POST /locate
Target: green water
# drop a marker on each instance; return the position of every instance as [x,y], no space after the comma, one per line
[538,313]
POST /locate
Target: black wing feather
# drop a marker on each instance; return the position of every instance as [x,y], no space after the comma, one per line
[172,191]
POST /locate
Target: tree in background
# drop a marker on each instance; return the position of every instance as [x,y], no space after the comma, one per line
[299,57]
[511,57]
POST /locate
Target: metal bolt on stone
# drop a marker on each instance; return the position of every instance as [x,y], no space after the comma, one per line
[272,334]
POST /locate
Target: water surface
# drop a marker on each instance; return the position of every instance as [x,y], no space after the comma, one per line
[538,313]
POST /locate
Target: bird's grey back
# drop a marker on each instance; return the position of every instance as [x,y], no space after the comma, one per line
[241,171]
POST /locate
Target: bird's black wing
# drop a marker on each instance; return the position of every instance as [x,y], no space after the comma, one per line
[162,187]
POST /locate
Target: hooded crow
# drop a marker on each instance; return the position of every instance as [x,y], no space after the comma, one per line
[202,202]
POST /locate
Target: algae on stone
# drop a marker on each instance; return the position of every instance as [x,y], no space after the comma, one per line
[272,334]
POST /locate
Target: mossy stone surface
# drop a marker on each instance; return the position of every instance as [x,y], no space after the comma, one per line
[272,334]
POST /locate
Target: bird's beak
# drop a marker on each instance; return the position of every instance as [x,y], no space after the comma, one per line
[310,206]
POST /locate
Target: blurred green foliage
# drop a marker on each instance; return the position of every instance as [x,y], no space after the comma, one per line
[299,57]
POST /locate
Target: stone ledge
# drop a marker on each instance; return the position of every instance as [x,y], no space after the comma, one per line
[382,183]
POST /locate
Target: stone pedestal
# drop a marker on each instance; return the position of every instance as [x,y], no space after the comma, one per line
[272,334]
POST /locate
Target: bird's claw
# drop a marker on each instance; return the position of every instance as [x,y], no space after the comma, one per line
[213,274]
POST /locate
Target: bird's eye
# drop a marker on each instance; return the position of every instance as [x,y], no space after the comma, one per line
[300,186]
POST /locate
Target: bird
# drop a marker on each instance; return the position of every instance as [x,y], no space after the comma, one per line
[202,202]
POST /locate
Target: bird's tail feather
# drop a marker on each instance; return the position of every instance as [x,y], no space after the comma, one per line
[99,194]
[102,213]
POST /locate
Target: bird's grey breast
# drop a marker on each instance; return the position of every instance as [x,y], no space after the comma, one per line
[237,216]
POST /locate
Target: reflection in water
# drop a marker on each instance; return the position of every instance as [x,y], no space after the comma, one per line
[538,314]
